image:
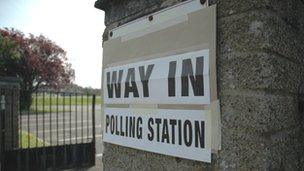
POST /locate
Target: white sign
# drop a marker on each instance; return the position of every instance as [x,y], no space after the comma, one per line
[177,79]
[180,133]
[156,73]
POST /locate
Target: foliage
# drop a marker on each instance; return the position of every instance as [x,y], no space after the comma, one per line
[38,61]
[35,59]
[79,89]
[9,55]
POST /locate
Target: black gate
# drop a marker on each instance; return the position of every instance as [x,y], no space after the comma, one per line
[51,131]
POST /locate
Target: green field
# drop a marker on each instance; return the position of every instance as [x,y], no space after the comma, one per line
[49,109]
[29,140]
[67,100]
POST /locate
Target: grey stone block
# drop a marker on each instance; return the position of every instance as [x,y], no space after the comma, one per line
[258,70]
[285,149]
[232,7]
[285,39]
[290,11]
[242,32]
[242,151]
[258,111]
[122,158]
[254,151]
[258,30]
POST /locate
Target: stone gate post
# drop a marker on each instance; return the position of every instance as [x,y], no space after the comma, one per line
[260,66]
[10,92]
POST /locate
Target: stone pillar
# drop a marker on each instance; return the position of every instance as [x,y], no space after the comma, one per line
[260,69]
[10,92]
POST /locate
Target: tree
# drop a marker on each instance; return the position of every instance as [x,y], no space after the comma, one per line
[37,60]
[9,55]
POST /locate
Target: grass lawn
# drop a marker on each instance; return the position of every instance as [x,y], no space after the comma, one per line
[64,100]
[30,139]
[47,109]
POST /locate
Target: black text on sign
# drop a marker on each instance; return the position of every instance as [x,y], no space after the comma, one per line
[178,79]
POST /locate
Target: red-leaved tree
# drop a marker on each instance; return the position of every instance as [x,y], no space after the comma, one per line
[41,63]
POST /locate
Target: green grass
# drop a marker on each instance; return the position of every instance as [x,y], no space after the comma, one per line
[61,100]
[30,140]
[52,103]
[47,109]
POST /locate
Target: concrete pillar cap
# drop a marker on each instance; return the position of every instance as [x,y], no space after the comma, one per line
[102,4]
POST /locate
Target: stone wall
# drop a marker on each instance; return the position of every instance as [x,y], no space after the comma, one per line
[260,56]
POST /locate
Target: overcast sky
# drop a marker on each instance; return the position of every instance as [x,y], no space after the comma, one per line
[75,25]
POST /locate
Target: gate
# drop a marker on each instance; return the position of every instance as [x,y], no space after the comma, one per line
[51,131]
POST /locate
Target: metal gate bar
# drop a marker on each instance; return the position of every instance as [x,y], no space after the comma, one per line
[2,109]
[38,126]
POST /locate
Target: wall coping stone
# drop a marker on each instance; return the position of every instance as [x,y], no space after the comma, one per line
[10,79]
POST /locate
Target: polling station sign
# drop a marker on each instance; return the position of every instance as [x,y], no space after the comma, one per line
[179,133]
[176,79]
[159,83]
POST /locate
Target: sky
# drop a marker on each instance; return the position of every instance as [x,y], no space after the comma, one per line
[75,25]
